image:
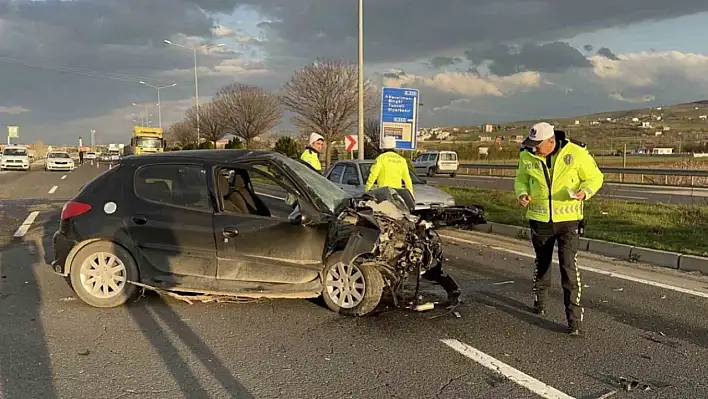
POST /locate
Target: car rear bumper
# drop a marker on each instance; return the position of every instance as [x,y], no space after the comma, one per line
[61,247]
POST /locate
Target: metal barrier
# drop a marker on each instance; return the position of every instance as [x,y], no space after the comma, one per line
[668,177]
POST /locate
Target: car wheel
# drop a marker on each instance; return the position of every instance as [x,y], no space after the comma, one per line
[100,273]
[431,172]
[352,289]
[453,174]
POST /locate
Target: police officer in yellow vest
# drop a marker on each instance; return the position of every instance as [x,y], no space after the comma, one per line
[389,169]
[311,155]
[554,177]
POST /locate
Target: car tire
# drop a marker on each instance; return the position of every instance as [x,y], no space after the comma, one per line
[113,256]
[431,172]
[368,283]
[453,174]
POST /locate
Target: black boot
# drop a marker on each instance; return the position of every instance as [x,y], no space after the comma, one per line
[574,328]
[539,308]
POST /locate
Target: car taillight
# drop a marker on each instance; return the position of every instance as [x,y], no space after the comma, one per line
[72,209]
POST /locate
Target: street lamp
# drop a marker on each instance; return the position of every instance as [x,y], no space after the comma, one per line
[146,113]
[159,109]
[196,80]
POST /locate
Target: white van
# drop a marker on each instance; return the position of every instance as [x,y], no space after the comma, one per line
[434,162]
[15,157]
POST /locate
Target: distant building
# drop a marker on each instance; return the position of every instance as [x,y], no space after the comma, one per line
[703,117]
[488,128]
[662,151]
[517,139]
[577,122]
[646,125]
[485,138]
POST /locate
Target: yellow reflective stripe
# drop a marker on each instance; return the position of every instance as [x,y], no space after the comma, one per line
[538,209]
[566,209]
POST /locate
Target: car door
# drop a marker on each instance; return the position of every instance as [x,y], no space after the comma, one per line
[335,174]
[351,179]
[170,220]
[256,248]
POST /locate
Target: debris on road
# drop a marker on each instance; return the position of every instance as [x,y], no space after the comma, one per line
[504,282]
[204,298]
[608,394]
[618,289]
[84,353]
[425,306]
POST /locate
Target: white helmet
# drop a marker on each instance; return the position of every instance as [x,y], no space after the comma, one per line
[388,143]
[315,137]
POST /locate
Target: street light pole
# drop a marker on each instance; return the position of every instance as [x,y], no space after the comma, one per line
[196,81]
[360,135]
[159,103]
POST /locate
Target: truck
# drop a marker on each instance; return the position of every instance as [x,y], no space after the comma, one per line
[145,140]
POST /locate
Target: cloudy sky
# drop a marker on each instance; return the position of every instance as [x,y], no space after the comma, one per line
[69,66]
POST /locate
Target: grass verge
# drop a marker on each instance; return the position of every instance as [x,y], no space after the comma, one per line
[668,227]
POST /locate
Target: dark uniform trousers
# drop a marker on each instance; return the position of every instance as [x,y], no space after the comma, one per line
[567,235]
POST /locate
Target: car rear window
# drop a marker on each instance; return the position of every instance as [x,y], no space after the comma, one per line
[173,185]
[449,156]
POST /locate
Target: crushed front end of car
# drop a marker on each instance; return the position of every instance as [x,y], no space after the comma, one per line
[380,230]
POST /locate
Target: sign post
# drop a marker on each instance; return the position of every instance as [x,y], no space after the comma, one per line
[350,142]
[12,132]
[399,116]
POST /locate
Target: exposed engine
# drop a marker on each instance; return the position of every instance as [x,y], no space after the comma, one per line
[406,244]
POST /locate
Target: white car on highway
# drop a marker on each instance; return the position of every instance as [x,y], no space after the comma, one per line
[59,160]
[15,157]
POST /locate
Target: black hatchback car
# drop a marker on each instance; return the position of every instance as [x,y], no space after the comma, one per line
[192,222]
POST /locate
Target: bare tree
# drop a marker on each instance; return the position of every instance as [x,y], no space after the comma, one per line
[181,133]
[324,98]
[247,111]
[372,131]
[212,127]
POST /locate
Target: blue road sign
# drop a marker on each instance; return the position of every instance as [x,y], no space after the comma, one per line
[399,116]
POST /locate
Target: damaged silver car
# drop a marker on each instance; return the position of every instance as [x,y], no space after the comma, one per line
[228,224]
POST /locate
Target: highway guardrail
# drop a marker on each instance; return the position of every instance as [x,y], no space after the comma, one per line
[657,176]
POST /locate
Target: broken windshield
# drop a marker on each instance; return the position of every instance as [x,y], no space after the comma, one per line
[326,191]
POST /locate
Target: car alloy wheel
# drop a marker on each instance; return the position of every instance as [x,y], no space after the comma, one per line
[351,288]
[103,275]
[345,285]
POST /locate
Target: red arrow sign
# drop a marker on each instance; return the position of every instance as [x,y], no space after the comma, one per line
[350,143]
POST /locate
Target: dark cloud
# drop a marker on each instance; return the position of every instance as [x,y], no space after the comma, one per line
[405,30]
[554,57]
[439,62]
[607,53]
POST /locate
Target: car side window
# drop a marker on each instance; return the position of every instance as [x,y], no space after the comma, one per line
[350,174]
[173,185]
[336,174]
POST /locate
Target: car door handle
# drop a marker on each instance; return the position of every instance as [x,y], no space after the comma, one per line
[140,219]
[229,232]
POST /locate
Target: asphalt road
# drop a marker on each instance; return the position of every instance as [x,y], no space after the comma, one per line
[617,191]
[54,346]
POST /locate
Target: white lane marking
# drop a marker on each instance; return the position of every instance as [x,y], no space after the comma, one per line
[592,269]
[63,177]
[22,230]
[53,189]
[539,388]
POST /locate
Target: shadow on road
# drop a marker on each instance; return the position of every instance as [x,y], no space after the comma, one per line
[25,363]
[146,312]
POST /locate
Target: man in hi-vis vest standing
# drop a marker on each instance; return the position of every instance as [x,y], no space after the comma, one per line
[555,176]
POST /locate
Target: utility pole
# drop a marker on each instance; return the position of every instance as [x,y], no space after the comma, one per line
[360,135]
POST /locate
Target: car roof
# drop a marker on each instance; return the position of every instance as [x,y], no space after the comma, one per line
[357,161]
[201,155]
